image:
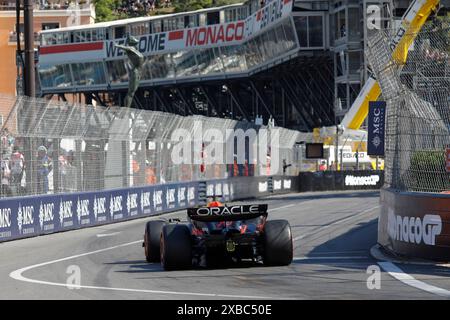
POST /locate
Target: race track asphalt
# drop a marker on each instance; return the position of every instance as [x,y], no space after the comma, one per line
[333,231]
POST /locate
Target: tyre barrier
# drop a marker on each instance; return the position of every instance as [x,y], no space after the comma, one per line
[341,180]
[22,217]
[415,224]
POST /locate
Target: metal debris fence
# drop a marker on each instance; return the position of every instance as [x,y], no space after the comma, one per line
[54,147]
[418,107]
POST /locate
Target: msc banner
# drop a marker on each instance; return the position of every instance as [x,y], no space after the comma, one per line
[415,224]
[376,130]
[32,216]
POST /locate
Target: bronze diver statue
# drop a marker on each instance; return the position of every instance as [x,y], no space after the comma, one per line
[136,60]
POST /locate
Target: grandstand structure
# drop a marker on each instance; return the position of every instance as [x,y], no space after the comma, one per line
[298,62]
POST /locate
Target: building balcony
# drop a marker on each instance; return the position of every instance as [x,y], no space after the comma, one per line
[44,5]
[12,40]
[51,8]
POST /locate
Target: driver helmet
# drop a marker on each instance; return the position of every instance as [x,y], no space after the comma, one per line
[215,204]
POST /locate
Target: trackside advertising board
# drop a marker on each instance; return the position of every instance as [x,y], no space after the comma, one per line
[341,180]
[31,216]
[376,128]
[415,224]
[225,34]
[38,215]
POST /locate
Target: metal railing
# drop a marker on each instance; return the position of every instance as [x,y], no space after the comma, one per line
[46,5]
[13,37]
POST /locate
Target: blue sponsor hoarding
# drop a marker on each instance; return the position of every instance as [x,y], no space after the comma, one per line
[23,217]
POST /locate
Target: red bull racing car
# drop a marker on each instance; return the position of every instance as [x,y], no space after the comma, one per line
[217,233]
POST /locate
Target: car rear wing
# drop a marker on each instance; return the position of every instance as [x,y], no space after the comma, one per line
[227,213]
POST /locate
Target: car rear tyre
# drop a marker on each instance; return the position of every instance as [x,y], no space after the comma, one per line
[176,247]
[278,246]
[152,238]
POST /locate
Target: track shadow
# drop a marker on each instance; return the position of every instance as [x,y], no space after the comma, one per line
[338,251]
[138,266]
[155,271]
[348,251]
[358,241]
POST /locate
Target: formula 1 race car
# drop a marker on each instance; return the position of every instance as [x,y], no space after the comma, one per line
[216,234]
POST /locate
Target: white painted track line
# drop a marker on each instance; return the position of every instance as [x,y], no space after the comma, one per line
[332,258]
[18,275]
[283,207]
[107,235]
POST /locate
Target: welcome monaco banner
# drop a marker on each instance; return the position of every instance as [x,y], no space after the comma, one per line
[225,34]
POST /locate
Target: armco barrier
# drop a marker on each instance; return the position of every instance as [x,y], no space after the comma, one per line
[415,225]
[340,180]
[37,215]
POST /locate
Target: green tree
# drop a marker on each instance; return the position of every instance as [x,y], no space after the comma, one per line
[427,172]
[106,10]
[218,3]
[190,5]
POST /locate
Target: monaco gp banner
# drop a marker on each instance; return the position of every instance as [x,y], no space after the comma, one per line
[32,216]
[415,224]
[225,34]
[341,180]
[376,128]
